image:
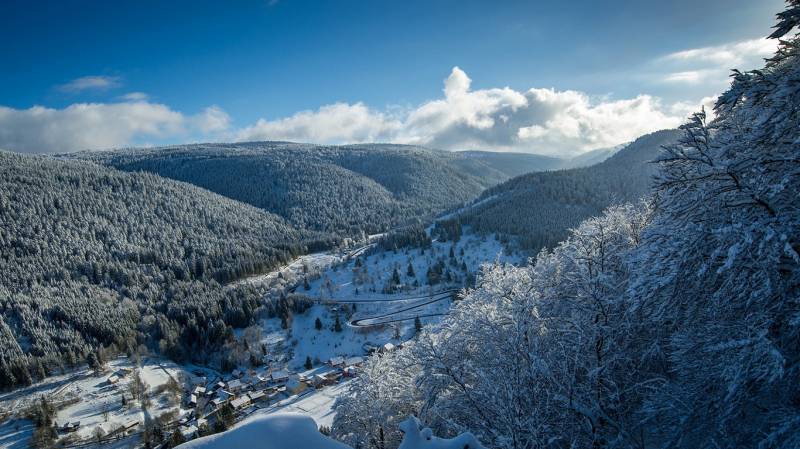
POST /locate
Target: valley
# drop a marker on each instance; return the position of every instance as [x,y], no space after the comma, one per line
[359,300]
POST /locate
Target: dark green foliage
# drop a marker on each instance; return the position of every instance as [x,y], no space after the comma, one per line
[539,208]
[92,257]
[341,190]
[318,324]
[412,236]
[509,165]
[225,418]
[308,364]
[337,325]
[175,439]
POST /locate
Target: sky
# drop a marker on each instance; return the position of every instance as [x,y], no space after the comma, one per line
[549,77]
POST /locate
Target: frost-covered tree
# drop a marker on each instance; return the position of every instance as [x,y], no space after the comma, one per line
[674,323]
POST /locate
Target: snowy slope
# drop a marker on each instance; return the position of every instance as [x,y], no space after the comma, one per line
[278,431]
[294,431]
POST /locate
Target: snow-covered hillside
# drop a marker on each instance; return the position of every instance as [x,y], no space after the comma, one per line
[294,431]
[376,297]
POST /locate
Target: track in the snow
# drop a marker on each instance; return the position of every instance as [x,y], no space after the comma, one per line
[447,294]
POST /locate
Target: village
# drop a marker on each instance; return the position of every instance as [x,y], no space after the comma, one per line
[159,404]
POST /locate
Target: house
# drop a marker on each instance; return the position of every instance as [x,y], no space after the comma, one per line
[240,403]
[221,398]
[260,380]
[353,361]
[219,385]
[199,391]
[319,381]
[130,425]
[256,396]
[113,379]
[237,373]
[192,402]
[294,386]
[235,385]
[279,376]
[189,432]
[336,361]
[202,422]
[388,347]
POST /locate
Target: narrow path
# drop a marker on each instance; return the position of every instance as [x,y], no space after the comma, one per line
[378,300]
[433,298]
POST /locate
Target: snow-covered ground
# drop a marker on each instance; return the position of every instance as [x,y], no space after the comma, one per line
[317,404]
[293,430]
[279,431]
[89,398]
[354,286]
[357,289]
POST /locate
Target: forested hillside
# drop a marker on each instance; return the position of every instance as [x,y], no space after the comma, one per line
[672,323]
[513,164]
[539,208]
[342,190]
[93,257]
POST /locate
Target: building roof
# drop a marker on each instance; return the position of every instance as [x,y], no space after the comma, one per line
[239,402]
[256,395]
[279,375]
[354,361]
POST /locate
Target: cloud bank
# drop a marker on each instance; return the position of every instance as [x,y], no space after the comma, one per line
[95,126]
[537,120]
[713,64]
[543,121]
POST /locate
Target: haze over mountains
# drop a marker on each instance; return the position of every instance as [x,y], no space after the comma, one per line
[537,209]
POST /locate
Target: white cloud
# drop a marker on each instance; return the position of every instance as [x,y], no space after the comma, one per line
[728,55]
[95,126]
[95,82]
[538,120]
[712,65]
[135,96]
[335,123]
[212,120]
[687,108]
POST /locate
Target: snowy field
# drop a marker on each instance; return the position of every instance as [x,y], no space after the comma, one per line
[356,289]
[91,399]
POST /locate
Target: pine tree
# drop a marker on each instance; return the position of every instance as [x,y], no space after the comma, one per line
[395,278]
[417,324]
[176,439]
[318,324]
[308,364]
[410,271]
[337,326]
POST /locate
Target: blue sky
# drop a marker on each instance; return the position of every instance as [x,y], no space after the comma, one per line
[552,77]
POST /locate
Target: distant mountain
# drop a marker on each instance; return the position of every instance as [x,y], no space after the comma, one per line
[335,189]
[592,157]
[510,165]
[94,257]
[538,208]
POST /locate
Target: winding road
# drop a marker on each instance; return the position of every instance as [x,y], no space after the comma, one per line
[370,321]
